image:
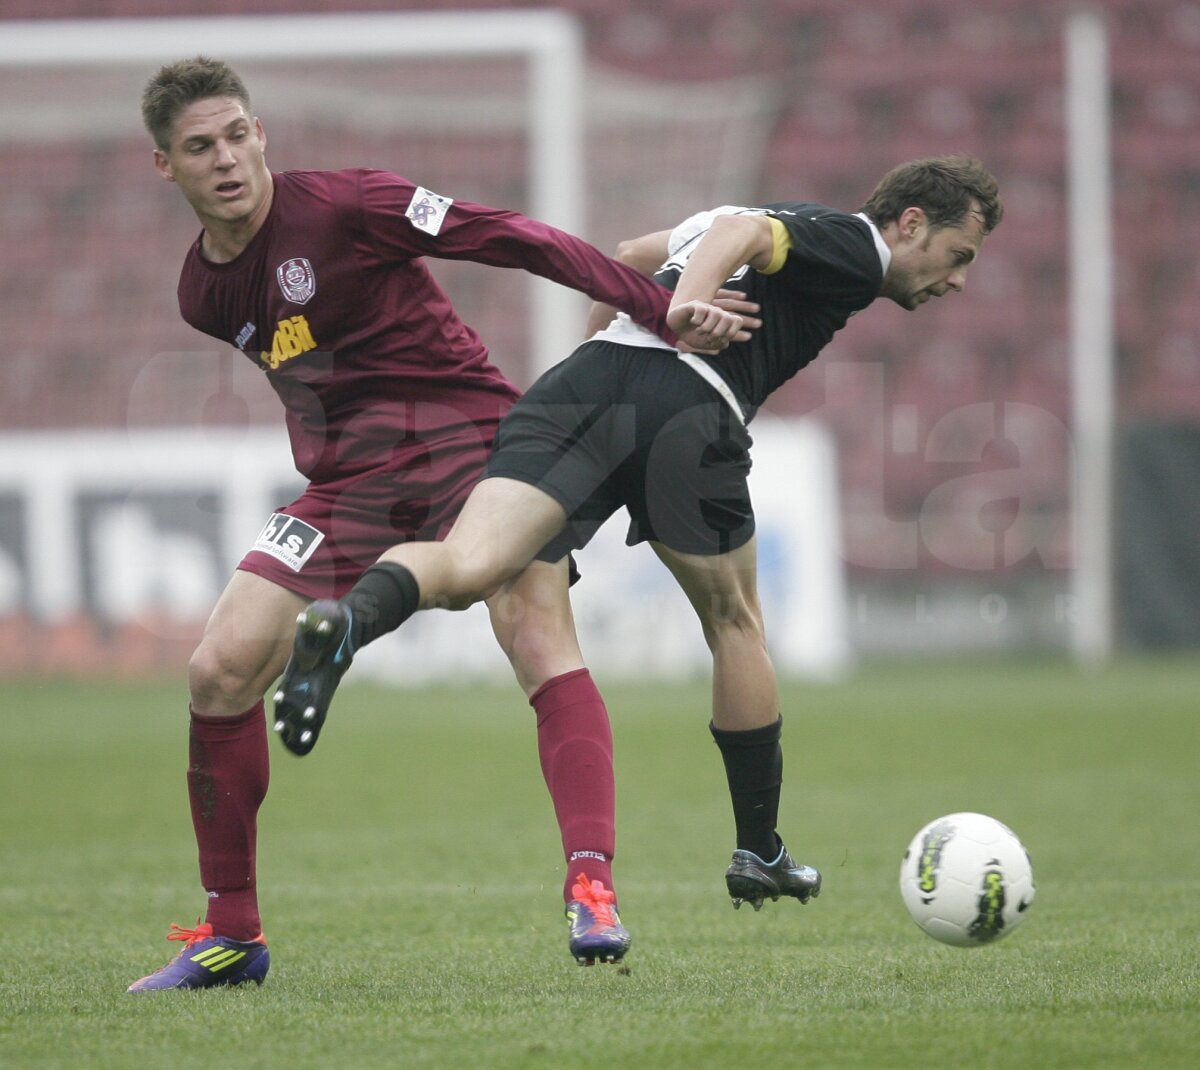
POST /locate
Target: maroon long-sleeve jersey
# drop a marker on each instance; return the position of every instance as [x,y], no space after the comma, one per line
[332,300]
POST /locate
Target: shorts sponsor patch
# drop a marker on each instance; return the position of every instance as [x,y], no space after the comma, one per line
[428,210]
[289,540]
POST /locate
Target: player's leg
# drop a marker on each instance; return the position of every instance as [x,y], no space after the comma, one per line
[531,616]
[746,723]
[723,590]
[501,528]
[244,647]
[533,623]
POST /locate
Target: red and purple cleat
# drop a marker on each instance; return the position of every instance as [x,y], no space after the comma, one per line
[208,961]
[597,934]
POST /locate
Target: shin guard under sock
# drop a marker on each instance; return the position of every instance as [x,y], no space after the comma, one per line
[385,596]
[576,753]
[228,773]
[754,770]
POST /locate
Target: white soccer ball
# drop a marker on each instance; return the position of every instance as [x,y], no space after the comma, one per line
[966,879]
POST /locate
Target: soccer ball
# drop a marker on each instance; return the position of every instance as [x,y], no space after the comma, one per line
[966,879]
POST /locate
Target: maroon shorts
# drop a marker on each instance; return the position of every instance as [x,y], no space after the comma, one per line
[321,543]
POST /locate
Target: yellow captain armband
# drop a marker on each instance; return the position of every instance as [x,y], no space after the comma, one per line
[783,244]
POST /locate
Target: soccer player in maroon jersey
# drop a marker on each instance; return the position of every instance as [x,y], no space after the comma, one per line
[626,420]
[391,406]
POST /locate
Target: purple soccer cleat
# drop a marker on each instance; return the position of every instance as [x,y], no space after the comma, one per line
[596,933]
[208,961]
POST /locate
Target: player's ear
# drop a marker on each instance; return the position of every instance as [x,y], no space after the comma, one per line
[913,221]
[163,165]
[262,134]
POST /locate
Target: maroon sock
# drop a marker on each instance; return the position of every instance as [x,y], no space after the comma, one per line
[576,752]
[228,772]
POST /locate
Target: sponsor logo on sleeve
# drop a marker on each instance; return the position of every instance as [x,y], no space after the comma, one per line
[288,540]
[297,280]
[428,210]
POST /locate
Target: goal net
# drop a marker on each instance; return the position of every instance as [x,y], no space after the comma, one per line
[125,482]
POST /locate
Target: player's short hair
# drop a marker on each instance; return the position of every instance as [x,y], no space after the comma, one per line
[177,85]
[946,188]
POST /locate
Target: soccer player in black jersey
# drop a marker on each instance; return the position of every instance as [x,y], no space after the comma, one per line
[628,421]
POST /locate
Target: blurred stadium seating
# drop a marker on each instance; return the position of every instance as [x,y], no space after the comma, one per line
[87,294]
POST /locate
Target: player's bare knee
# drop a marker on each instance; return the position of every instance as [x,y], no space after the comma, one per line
[477,582]
[463,595]
[528,642]
[217,682]
[731,618]
[536,633]
[539,651]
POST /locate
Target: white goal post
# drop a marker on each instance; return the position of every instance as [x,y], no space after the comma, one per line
[550,41]
[1093,345]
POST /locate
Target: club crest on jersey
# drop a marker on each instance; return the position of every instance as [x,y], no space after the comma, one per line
[296,280]
[428,210]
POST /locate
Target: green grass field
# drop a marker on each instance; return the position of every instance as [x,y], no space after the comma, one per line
[410,882]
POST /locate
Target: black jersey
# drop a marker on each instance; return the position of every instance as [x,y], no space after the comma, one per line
[833,269]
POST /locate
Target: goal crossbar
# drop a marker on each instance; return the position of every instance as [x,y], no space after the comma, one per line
[550,41]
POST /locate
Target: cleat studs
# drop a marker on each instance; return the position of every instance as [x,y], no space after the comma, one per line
[279,696]
[323,627]
[280,726]
[310,712]
[757,904]
[300,616]
[737,904]
[305,736]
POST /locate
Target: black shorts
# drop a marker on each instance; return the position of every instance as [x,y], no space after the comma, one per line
[617,425]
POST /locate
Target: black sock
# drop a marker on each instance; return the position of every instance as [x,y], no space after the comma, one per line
[754,769]
[384,598]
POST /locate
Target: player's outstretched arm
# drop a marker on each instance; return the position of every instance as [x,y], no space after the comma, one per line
[707,330]
[645,255]
[508,239]
[730,242]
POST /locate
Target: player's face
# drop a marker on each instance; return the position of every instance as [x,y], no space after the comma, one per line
[929,262]
[216,157]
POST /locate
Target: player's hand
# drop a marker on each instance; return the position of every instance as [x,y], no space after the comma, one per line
[735,301]
[705,328]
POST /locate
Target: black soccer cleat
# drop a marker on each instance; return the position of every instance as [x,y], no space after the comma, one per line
[321,654]
[751,880]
